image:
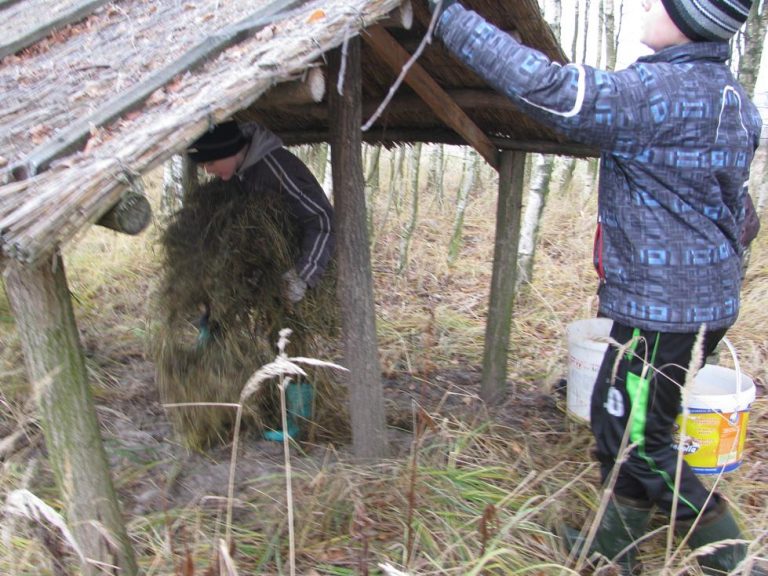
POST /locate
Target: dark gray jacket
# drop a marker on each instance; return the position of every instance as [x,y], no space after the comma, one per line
[269,168]
[677,134]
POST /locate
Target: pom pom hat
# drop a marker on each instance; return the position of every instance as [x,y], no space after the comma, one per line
[708,20]
[221,141]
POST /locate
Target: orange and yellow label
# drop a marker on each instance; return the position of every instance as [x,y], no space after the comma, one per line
[714,441]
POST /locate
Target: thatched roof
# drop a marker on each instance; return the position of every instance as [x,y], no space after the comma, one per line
[68,68]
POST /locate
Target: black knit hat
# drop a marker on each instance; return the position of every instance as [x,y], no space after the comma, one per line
[703,20]
[221,141]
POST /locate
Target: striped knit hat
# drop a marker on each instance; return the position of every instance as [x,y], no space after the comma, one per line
[702,20]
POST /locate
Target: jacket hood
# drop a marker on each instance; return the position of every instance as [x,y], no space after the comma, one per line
[262,142]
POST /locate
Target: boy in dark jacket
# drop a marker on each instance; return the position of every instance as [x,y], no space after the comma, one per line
[257,157]
[677,134]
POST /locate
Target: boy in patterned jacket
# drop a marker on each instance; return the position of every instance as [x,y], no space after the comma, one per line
[677,134]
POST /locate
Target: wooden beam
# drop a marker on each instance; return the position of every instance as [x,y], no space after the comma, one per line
[378,135]
[493,386]
[41,304]
[76,134]
[308,90]
[355,279]
[22,38]
[444,107]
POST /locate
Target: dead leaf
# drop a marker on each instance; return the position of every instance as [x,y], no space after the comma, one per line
[315,16]
[156,97]
[132,115]
[39,133]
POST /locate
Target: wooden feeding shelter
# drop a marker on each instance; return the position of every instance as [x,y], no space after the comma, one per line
[96,93]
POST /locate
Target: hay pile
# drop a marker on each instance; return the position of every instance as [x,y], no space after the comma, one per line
[226,250]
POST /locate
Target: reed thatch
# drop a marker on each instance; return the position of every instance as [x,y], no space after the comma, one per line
[225,251]
[115,94]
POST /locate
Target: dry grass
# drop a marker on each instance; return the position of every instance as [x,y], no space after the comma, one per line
[225,251]
[482,494]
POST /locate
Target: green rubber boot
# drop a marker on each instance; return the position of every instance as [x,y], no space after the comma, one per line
[716,525]
[298,404]
[625,521]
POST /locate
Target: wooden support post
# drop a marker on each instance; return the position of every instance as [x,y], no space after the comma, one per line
[508,211]
[355,279]
[41,304]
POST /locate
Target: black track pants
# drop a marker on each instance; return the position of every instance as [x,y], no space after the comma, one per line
[649,471]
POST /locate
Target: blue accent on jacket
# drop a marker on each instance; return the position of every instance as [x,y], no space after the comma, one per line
[677,134]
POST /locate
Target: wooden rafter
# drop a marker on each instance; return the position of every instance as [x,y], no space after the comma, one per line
[444,107]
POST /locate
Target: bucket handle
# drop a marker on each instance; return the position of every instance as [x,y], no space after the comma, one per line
[736,365]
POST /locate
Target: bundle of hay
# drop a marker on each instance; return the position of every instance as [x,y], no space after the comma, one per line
[224,252]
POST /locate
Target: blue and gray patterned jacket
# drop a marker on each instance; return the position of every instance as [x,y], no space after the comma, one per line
[677,134]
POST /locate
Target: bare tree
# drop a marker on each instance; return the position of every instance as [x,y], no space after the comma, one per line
[611,39]
[538,190]
[407,232]
[471,167]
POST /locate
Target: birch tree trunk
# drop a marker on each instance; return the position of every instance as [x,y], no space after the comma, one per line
[355,280]
[611,46]
[756,36]
[41,304]
[372,184]
[471,161]
[436,180]
[179,175]
[328,177]
[542,169]
[585,37]
[577,26]
[407,233]
[601,39]
[320,162]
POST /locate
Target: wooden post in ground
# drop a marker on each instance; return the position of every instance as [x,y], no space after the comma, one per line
[510,202]
[355,279]
[41,305]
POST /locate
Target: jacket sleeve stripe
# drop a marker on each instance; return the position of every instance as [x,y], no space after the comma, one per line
[578,103]
[321,240]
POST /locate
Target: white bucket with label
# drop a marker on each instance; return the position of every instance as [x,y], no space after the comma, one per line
[587,343]
[718,403]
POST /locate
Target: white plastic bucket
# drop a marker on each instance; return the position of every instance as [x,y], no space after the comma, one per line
[587,343]
[718,404]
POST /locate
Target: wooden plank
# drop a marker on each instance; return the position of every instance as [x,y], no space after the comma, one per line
[22,37]
[444,107]
[73,137]
[493,384]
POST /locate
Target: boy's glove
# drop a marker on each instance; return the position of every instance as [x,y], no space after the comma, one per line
[294,287]
[442,4]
